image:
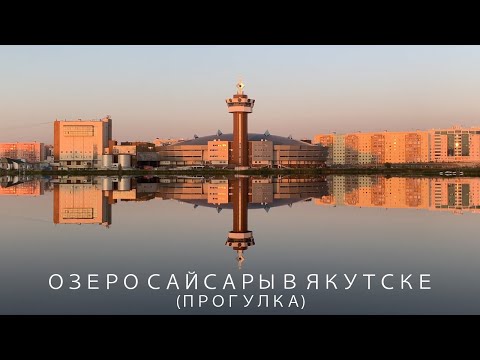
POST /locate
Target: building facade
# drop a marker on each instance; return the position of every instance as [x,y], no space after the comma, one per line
[265,150]
[80,144]
[454,145]
[32,152]
[127,154]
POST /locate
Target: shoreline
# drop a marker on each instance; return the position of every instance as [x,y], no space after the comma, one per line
[404,171]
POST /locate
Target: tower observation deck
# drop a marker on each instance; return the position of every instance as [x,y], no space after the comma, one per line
[240,106]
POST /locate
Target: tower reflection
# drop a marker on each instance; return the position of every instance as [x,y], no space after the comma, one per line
[240,238]
[88,200]
[239,194]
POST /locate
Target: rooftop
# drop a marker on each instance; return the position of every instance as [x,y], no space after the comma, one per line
[277,140]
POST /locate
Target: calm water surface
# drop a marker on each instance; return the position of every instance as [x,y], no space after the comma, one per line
[325,225]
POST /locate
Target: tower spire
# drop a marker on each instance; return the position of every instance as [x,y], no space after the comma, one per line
[240,86]
[240,106]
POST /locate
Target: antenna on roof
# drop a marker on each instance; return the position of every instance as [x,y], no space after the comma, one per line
[266,133]
[219,133]
[195,136]
[290,136]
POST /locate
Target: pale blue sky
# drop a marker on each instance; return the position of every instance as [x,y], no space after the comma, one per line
[178,91]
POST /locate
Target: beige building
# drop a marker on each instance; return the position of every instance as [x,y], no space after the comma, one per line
[437,145]
[125,149]
[456,144]
[218,152]
[32,152]
[376,148]
[81,144]
[265,150]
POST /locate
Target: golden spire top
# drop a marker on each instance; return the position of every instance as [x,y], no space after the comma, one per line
[240,86]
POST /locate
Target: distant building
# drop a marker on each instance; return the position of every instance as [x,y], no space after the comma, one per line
[48,151]
[49,154]
[80,144]
[265,150]
[437,145]
[132,147]
[31,152]
[14,164]
[164,142]
[239,150]
[130,151]
[456,144]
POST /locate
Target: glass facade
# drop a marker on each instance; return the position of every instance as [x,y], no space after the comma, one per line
[450,145]
[465,145]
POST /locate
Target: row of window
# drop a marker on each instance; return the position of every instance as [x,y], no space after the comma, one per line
[457,132]
[76,152]
[78,130]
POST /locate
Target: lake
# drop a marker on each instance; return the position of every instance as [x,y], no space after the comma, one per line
[194,245]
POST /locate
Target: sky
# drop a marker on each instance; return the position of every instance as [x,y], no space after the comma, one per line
[179,91]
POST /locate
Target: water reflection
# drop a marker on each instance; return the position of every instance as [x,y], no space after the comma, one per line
[21,186]
[456,195]
[89,200]
[83,200]
[337,224]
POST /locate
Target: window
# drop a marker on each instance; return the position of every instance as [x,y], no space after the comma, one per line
[465,145]
[450,145]
[78,130]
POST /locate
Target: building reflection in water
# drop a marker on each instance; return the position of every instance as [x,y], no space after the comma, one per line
[21,186]
[240,194]
[456,195]
[84,200]
[89,200]
[79,200]
[240,238]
